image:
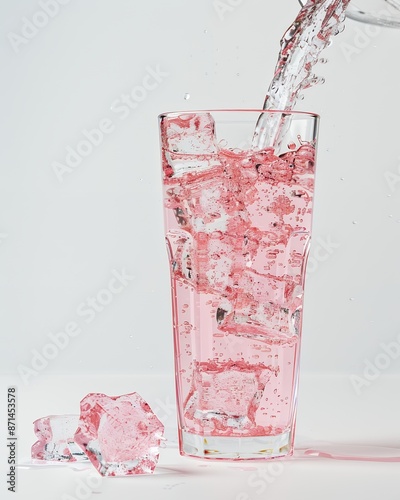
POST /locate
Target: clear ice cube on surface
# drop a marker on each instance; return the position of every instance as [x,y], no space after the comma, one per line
[120,434]
[55,435]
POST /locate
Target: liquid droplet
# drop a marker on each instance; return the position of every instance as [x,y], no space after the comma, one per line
[342,178]
[354,222]
[351,298]
[186,96]
[205,32]
[390,215]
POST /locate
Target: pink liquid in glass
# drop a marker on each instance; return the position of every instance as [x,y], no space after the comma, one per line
[238,225]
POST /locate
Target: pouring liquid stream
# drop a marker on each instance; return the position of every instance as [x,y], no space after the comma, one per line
[312,30]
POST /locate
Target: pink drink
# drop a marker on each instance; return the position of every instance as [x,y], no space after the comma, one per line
[238,225]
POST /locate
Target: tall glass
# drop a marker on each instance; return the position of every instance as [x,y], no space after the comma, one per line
[238,224]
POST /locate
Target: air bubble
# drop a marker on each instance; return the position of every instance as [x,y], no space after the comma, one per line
[351,298]
[354,222]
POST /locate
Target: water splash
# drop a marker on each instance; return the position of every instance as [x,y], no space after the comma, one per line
[312,30]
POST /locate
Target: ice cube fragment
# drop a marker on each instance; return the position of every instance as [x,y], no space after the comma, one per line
[55,435]
[120,434]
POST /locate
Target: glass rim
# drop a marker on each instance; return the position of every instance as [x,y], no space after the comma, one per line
[308,114]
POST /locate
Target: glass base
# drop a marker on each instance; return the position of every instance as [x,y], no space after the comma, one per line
[236,448]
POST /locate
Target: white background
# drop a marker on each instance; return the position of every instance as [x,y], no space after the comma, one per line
[61,241]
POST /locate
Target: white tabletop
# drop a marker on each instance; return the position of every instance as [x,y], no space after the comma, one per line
[332,419]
